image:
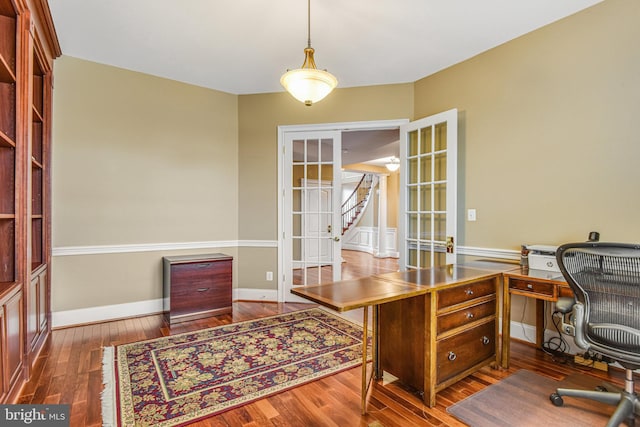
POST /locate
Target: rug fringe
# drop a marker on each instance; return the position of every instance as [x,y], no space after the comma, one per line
[108,394]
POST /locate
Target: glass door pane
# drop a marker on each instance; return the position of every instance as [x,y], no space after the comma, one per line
[429,152]
[312,202]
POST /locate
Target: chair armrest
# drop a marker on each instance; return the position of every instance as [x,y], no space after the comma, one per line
[565,304]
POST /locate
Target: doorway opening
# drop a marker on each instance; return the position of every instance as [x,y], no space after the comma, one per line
[318,169]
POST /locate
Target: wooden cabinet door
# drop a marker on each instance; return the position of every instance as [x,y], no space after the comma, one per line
[37,308]
[13,338]
[3,352]
[32,311]
[42,302]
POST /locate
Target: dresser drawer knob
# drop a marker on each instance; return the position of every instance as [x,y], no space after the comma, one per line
[469,315]
[452,356]
[529,286]
[203,289]
[485,340]
[469,292]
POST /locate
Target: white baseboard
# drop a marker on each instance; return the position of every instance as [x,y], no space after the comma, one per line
[60,319]
[524,332]
[248,294]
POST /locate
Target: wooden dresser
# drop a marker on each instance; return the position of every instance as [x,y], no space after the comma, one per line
[433,340]
[196,286]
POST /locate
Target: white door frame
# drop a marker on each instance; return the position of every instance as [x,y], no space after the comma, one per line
[284,293]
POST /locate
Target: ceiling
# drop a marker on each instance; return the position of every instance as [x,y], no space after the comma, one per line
[244,46]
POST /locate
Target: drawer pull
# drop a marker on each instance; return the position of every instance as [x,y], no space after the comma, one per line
[469,292]
[204,265]
[469,315]
[529,286]
[203,289]
[452,356]
[485,340]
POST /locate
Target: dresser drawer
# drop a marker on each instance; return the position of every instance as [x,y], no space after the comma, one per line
[465,293]
[465,316]
[195,297]
[531,287]
[462,351]
[201,272]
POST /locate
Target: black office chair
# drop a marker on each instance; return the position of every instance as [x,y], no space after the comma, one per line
[605,319]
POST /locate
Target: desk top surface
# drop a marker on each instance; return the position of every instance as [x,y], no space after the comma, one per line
[539,275]
[351,294]
[441,277]
[347,295]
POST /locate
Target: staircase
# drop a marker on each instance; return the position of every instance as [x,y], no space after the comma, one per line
[353,207]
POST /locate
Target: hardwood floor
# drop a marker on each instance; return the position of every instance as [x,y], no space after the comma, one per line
[69,371]
[355,264]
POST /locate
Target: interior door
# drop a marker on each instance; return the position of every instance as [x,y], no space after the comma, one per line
[317,227]
[428,191]
[311,206]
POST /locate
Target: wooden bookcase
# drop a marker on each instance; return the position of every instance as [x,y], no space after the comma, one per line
[28,45]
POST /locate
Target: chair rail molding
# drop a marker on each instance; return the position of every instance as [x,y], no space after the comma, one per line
[155,247]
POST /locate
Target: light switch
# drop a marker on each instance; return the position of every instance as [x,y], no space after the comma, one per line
[471,214]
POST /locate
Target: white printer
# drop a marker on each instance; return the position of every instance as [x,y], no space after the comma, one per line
[543,257]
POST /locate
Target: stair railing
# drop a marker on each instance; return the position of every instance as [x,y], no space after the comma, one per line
[356,202]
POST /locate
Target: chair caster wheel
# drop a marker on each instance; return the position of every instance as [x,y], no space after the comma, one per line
[601,388]
[556,399]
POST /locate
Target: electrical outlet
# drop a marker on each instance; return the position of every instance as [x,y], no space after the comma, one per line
[269,276]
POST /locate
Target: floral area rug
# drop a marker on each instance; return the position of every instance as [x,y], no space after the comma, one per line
[181,378]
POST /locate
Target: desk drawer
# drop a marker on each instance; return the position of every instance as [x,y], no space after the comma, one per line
[465,293]
[465,316]
[462,351]
[532,287]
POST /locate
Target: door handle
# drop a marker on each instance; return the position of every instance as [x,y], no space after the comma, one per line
[449,244]
[337,239]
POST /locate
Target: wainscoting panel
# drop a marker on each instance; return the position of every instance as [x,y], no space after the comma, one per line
[365,239]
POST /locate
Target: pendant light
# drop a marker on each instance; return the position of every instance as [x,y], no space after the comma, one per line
[393,165]
[308,84]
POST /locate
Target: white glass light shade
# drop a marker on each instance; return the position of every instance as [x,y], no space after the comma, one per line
[393,165]
[308,85]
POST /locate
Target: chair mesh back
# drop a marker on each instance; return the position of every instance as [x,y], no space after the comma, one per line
[605,277]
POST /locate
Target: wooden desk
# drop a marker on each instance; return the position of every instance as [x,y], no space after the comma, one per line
[539,284]
[361,293]
[431,327]
[433,340]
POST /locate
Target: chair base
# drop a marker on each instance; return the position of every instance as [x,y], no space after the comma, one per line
[628,404]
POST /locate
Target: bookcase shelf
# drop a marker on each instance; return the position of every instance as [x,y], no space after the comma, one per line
[28,45]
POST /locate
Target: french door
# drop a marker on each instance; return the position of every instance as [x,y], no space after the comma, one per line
[428,191]
[311,208]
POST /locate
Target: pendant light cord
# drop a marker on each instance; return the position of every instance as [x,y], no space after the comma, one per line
[308,23]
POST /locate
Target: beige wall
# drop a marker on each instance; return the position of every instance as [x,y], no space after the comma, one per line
[549,144]
[136,160]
